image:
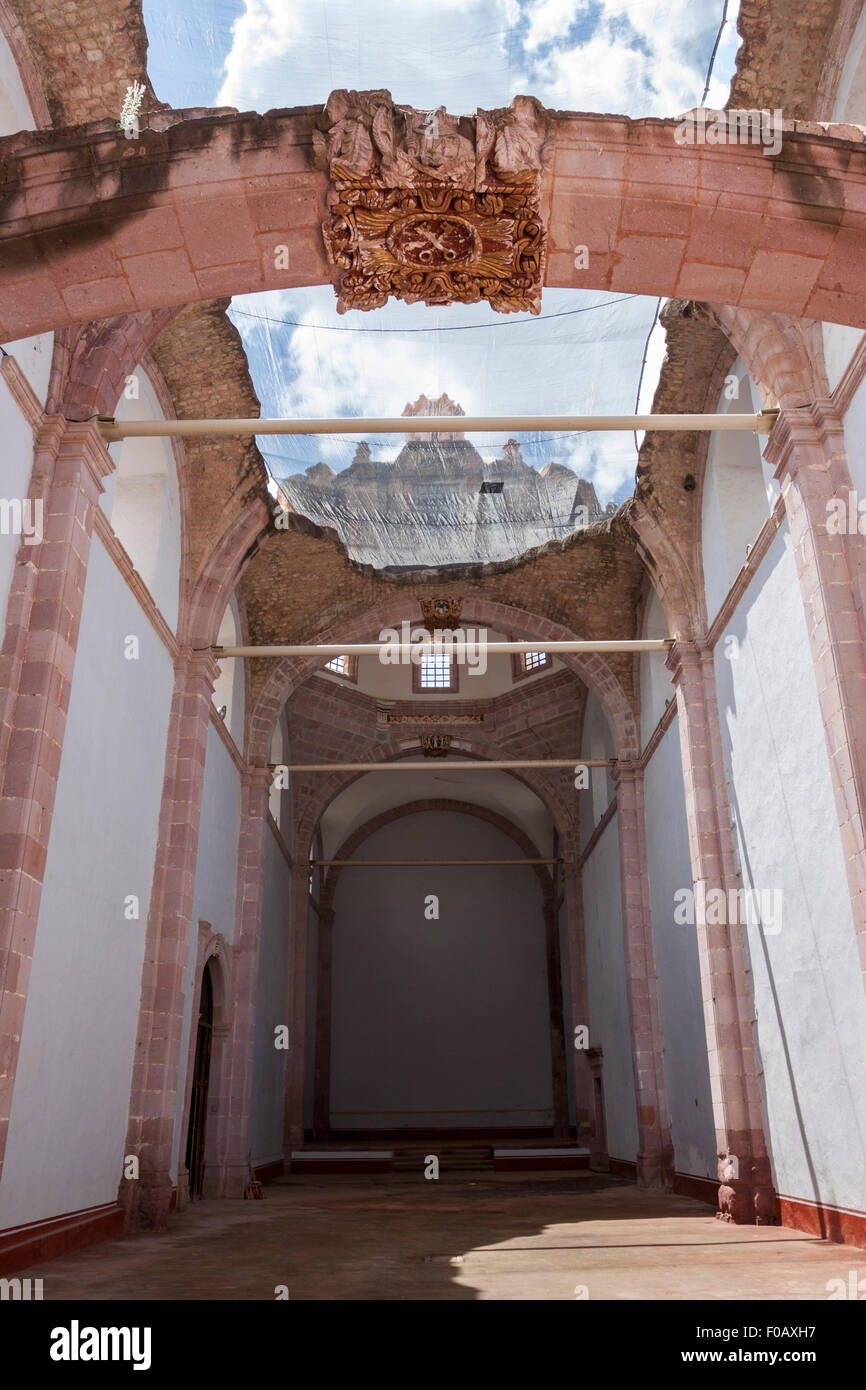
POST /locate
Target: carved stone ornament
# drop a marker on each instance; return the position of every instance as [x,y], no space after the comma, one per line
[441,613]
[435,745]
[431,207]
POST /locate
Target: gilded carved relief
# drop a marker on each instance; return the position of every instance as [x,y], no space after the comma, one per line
[432,207]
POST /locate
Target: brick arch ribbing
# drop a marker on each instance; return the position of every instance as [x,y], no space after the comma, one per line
[315,805]
[91,363]
[593,670]
[28,71]
[354,841]
[219,576]
[646,167]
[784,356]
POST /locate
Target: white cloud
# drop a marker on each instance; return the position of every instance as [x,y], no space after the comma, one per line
[294,52]
[580,363]
[550,19]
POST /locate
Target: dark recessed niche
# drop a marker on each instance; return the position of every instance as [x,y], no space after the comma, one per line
[689,482]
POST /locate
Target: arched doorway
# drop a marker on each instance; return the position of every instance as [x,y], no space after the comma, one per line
[200,1079]
[439,1002]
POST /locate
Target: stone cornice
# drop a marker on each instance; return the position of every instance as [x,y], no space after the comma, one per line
[230,745]
[798,427]
[851,378]
[597,834]
[132,578]
[21,391]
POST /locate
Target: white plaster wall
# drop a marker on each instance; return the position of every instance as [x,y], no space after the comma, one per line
[214,893]
[808,989]
[230,685]
[609,1026]
[735,501]
[840,343]
[312,1005]
[71,1099]
[279,800]
[656,687]
[15,113]
[687,1076]
[142,501]
[16,465]
[34,356]
[217,867]
[568,1022]
[269,1063]
[444,1022]
[597,742]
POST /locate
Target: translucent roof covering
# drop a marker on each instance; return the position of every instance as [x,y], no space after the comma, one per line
[399,503]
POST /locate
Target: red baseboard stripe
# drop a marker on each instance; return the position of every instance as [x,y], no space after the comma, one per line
[623,1167]
[22,1246]
[841,1224]
[268,1171]
[703,1189]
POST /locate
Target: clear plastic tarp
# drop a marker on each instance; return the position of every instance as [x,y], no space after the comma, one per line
[446,499]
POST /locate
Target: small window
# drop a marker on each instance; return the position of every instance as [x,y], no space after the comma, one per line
[345,666]
[434,673]
[528,663]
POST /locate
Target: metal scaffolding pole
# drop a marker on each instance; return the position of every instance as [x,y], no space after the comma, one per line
[431,764]
[113,431]
[474,643]
[418,863]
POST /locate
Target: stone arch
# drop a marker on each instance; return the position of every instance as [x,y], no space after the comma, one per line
[411,808]
[328,790]
[212,950]
[593,670]
[218,578]
[326,919]
[616,206]
[91,363]
[28,72]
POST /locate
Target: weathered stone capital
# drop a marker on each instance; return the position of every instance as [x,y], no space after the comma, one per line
[257,776]
[71,452]
[627,772]
[682,656]
[798,428]
[192,664]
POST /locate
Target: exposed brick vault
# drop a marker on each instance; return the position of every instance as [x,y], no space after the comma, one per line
[127,249]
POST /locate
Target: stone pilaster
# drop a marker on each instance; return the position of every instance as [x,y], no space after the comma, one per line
[746,1192]
[235,1146]
[655,1152]
[36,665]
[156,1063]
[293,1133]
[807,447]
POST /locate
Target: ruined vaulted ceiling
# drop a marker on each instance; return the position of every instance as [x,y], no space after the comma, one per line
[205,369]
[300,581]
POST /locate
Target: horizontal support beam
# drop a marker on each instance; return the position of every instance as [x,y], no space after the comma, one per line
[474,644]
[418,863]
[113,431]
[454,765]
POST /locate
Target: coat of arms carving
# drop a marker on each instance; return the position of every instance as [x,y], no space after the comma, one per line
[432,207]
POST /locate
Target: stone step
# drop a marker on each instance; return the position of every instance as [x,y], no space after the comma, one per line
[452,1157]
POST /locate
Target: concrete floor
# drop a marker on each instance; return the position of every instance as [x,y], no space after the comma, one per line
[467,1236]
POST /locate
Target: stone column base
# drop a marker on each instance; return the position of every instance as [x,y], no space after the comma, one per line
[656,1169]
[146,1201]
[747,1199]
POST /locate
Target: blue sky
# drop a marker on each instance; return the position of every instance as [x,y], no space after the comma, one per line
[635,57]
